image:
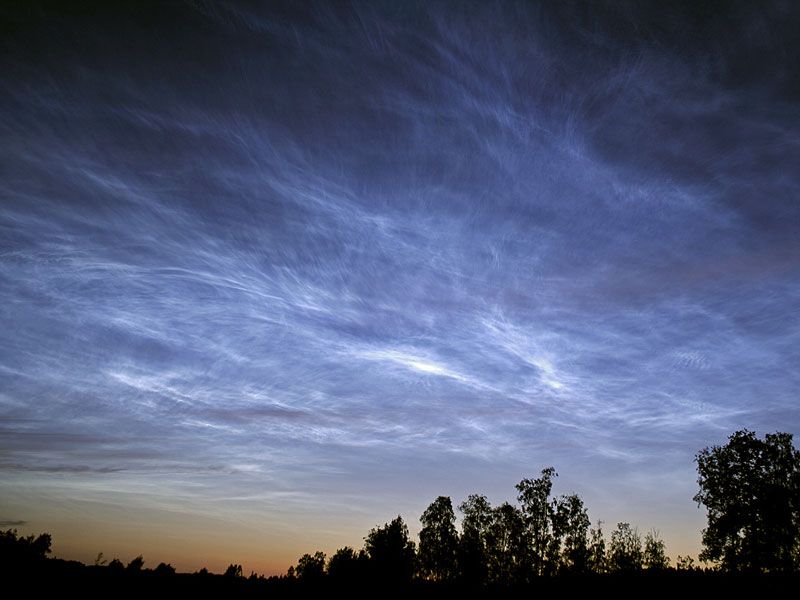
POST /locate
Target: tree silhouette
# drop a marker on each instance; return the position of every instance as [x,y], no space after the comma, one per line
[598,562]
[392,554]
[655,555]
[116,566]
[472,548]
[135,565]
[507,549]
[346,565]
[751,490]
[164,569]
[537,510]
[233,570]
[438,541]
[310,568]
[625,552]
[572,530]
[17,549]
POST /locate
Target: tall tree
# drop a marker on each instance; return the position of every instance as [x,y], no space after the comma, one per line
[751,490]
[597,550]
[625,554]
[392,555]
[506,545]
[538,512]
[571,529]
[472,549]
[438,541]
[655,552]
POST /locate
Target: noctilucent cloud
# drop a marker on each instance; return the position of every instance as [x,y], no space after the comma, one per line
[271,275]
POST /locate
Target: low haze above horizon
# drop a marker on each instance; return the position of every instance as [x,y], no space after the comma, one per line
[274,273]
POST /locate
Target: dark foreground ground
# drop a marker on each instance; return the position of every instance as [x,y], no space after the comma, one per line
[56,578]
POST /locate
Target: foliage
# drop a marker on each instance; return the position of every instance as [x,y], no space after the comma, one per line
[655,552]
[684,563]
[233,570]
[571,528]
[751,490]
[507,550]
[392,554]
[438,541]
[164,569]
[17,549]
[116,565]
[472,548]
[538,512]
[598,562]
[625,554]
[310,568]
[346,564]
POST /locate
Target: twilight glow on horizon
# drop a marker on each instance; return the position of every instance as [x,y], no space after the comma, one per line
[272,274]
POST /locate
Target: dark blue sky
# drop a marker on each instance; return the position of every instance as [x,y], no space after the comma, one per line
[270,275]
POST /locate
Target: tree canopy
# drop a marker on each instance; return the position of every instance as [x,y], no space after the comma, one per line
[311,567]
[625,552]
[391,552]
[15,548]
[751,490]
[438,541]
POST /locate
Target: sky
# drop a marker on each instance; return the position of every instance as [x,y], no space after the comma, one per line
[272,274]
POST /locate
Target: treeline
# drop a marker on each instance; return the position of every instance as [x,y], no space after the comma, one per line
[501,545]
[749,486]
[504,545]
[24,564]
